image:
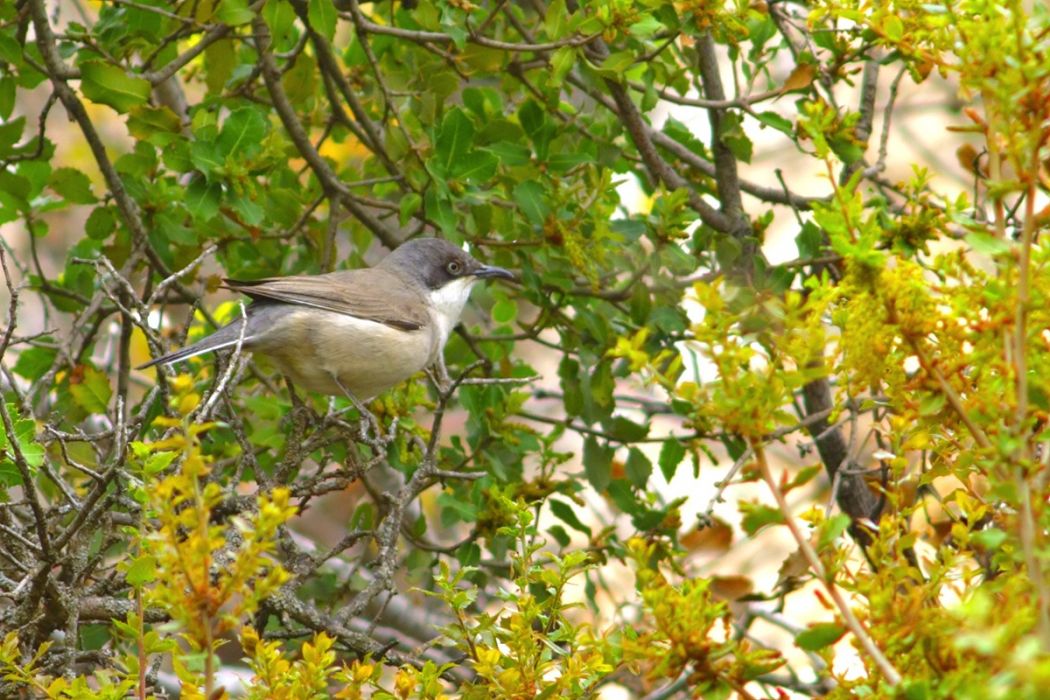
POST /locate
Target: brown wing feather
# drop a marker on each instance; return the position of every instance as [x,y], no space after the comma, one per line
[371,293]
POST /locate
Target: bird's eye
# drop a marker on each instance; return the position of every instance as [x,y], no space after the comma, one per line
[454,268]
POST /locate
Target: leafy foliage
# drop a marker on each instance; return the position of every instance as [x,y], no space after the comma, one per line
[879,389]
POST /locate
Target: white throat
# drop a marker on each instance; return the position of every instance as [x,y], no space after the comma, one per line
[447,303]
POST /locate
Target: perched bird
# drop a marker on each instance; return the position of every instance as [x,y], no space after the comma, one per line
[354,333]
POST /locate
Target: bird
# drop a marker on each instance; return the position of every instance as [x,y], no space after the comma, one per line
[354,333]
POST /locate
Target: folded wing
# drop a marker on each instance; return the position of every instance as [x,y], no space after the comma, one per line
[373,294]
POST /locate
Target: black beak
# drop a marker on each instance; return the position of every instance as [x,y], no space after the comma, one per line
[491,272]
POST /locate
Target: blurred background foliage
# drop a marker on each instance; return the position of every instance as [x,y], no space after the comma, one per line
[764,415]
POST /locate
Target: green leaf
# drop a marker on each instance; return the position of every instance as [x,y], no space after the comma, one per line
[476,165]
[157,125]
[893,28]
[439,208]
[220,58]
[242,132]
[206,157]
[990,539]
[203,199]
[556,18]
[511,154]
[562,62]
[832,529]
[529,196]
[101,223]
[819,636]
[280,17]
[25,437]
[72,185]
[504,311]
[758,516]
[986,243]
[564,512]
[108,84]
[671,455]
[454,140]
[158,462]
[645,27]
[597,463]
[776,121]
[234,13]
[561,163]
[33,362]
[8,88]
[616,63]
[142,570]
[410,204]
[91,390]
[626,430]
[9,474]
[638,468]
[322,17]
[10,132]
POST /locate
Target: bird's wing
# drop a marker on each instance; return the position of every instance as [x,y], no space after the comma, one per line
[373,294]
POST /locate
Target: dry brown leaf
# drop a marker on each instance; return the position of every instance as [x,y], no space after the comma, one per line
[731,588]
[793,568]
[800,78]
[716,538]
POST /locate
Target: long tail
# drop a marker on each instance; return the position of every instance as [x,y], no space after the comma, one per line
[225,337]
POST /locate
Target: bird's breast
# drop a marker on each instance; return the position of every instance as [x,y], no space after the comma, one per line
[314,347]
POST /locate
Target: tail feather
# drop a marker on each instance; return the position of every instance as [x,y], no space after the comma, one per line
[225,337]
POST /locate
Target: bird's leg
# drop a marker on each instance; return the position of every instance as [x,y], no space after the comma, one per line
[439,374]
[366,415]
[300,414]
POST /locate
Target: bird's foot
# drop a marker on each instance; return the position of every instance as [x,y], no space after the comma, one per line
[438,374]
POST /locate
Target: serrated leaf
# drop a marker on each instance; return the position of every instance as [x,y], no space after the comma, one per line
[108,84]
